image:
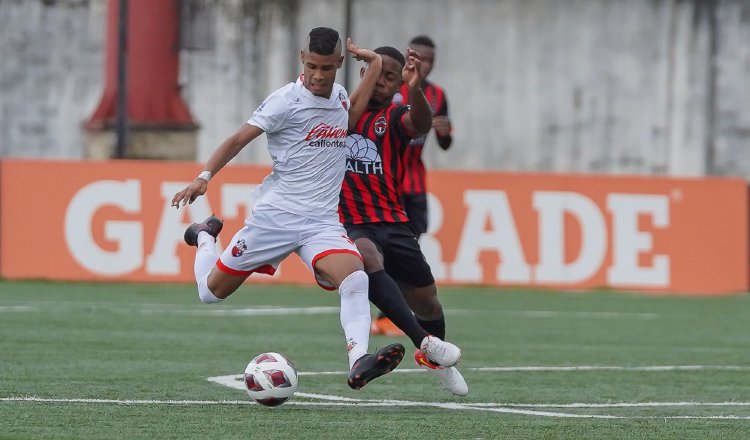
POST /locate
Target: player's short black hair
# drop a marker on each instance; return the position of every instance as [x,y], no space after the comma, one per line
[423,40]
[391,52]
[323,40]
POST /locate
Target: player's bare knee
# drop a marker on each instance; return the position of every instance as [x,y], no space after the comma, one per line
[334,268]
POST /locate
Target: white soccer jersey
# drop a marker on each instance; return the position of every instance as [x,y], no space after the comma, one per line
[307,142]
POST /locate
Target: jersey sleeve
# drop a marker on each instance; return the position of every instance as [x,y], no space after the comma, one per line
[443,109]
[270,115]
[397,120]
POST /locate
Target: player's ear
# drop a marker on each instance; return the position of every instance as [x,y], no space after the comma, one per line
[361,72]
[341,62]
[302,56]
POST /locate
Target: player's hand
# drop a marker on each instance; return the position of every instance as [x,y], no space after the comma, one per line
[359,53]
[442,125]
[412,71]
[189,194]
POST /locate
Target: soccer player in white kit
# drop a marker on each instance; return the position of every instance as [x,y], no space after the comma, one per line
[296,208]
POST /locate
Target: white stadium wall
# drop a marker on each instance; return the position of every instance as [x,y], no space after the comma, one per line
[602,86]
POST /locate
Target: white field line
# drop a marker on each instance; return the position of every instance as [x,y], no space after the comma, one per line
[17,309]
[342,401]
[271,310]
[574,314]
[644,368]
[198,311]
[235,382]
[266,311]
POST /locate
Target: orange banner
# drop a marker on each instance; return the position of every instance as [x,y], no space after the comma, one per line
[74,220]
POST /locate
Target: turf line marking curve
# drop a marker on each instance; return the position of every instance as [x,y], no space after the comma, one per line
[235,382]
[644,368]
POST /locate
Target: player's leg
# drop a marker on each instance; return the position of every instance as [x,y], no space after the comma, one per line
[257,247]
[213,285]
[383,291]
[416,209]
[404,259]
[334,260]
[372,240]
[424,302]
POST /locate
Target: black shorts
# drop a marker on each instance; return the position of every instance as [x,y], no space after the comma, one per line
[402,256]
[416,208]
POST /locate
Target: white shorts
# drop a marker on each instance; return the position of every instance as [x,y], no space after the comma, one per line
[270,235]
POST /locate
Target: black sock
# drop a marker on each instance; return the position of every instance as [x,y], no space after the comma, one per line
[386,295]
[435,327]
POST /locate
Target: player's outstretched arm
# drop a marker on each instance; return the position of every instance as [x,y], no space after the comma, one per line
[419,118]
[226,151]
[363,92]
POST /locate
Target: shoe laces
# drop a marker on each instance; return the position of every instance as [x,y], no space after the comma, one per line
[433,348]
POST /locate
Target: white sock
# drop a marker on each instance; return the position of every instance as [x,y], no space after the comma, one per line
[355,314]
[205,260]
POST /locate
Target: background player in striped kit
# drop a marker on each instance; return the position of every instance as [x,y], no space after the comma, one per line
[371,209]
[414,184]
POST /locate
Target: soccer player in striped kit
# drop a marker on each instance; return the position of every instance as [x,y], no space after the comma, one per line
[414,184]
[371,209]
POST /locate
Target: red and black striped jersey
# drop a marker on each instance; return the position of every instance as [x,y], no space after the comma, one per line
[415,176]
[374,168]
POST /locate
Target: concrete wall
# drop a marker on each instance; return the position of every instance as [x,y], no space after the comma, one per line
[606,86]
[51,75]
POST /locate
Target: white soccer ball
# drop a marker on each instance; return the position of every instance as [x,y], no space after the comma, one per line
[270,379]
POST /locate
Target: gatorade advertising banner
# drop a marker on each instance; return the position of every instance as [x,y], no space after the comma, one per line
[112,220]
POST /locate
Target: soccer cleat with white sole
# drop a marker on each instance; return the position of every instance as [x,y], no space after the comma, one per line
[449,377]
[440,352]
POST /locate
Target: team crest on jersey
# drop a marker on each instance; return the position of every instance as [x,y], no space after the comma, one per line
[239,248]
[380,126]
[344,104]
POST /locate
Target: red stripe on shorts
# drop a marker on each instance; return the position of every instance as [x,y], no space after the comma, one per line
[265,269]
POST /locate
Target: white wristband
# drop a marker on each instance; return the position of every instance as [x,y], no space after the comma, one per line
[205,175]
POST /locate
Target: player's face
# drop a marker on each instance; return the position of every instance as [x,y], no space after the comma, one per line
[320,71]
[427,58]
[388,83]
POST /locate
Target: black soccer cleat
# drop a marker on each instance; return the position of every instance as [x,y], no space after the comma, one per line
[372,366]
[212,225]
